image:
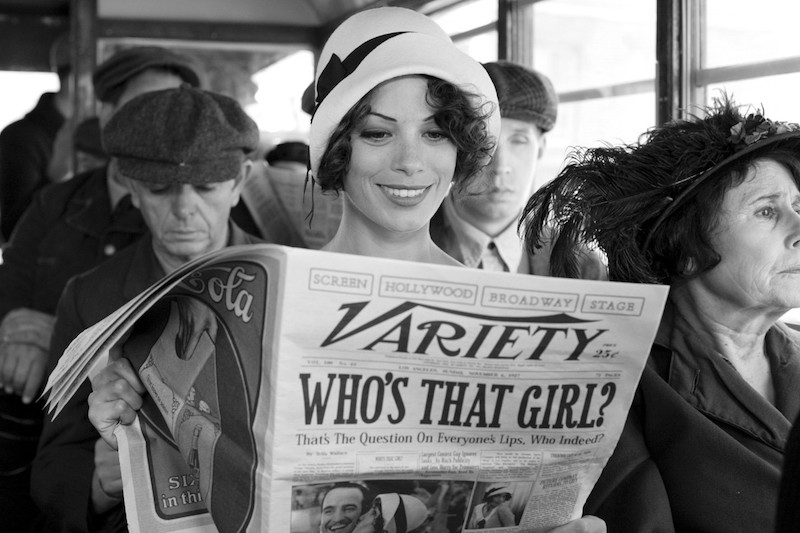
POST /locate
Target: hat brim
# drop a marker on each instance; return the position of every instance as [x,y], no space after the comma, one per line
[402,55]
[214,170]
[791,138]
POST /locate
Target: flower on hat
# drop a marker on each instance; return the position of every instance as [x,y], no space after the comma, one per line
[755,128]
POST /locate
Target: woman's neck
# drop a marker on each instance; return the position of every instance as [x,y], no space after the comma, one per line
[359,238]
[734,330]
[737,334]
[420,249]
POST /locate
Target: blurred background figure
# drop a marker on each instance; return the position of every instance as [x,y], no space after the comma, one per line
[89,151]
[275,196]
[69,228]
[478,225]
[291,155]
[26,146]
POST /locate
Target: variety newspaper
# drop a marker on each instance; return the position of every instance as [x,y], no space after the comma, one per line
[274,373]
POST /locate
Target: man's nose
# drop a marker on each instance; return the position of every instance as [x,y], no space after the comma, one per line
[500,166]
[184,201]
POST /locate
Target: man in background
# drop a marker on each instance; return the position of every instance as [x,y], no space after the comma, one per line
[69,228]
[183,152]
[26,146]
[478,226]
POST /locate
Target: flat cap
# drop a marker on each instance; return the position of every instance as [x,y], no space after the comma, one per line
[110,77]
[180,135]
[86,137]
[295,151]
[524,94]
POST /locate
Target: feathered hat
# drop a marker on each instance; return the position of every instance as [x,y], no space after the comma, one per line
[628,200]
[377,45]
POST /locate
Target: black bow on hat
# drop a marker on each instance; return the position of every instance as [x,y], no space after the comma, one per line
[336,70]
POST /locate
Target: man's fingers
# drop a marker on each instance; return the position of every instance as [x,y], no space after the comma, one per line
[40,338]
[8,365]
[114,403]
[34,382]
[26,326]
[22,367]
[119,369]
[29,359]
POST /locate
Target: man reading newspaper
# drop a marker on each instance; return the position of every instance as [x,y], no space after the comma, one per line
[184,152]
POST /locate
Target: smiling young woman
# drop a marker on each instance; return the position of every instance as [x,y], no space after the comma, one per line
[400,120]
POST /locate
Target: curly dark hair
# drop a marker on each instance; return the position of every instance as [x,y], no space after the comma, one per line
[652,206]
[462,121]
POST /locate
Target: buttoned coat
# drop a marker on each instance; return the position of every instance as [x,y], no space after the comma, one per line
[62,471]
[68,229]
[701,451]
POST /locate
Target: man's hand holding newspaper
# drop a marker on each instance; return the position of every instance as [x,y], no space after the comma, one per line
[115,399]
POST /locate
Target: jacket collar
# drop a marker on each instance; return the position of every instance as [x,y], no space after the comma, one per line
[46,113]
[89,210]
[705,380]
[145,269]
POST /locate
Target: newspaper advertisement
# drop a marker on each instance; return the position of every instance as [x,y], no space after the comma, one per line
[456,399]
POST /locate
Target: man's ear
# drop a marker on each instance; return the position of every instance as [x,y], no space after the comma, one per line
[238,185]
[542,145]
[133,189]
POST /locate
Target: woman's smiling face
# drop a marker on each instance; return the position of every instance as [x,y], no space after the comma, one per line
[401,163]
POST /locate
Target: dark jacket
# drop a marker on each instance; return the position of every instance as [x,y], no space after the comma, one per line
[442,233]
[701,451]
[788,518]
[68,229]
[26,147]
[62,470]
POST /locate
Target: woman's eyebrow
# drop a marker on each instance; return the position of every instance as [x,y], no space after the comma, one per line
[381,115]
[392,119]
[762,197]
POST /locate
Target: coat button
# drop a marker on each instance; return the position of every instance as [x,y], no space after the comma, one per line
[109,249]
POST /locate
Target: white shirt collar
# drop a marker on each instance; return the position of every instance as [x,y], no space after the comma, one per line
[472,242]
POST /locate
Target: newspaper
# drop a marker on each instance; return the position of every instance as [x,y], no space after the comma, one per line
[274,373]
[280,202]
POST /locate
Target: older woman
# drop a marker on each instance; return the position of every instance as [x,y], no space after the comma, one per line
[401,116]
[711,207]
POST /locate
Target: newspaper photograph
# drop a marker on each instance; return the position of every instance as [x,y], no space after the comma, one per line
[286,385]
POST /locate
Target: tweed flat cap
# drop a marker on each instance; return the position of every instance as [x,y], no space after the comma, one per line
[110,77]
[180,135]
[524,94]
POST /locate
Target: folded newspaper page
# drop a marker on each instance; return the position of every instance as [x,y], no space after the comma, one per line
[457,399]
[281,201]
